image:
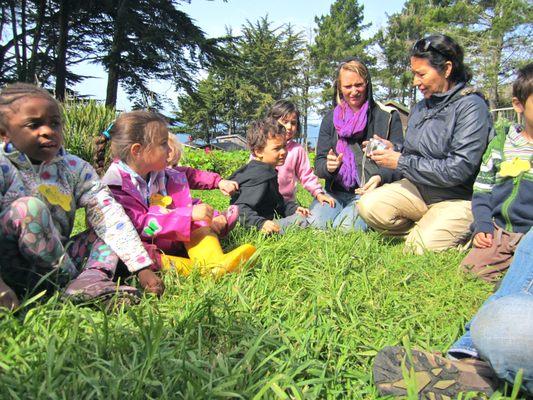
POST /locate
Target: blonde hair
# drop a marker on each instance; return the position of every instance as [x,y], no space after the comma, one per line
[132,127]
[176,150]
[354,66]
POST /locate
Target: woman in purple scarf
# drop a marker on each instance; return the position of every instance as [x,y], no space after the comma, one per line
[339,160]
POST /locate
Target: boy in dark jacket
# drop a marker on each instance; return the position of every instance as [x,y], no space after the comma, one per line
[259,200]
[503,192]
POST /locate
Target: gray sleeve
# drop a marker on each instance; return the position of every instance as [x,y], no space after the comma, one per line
[471,132]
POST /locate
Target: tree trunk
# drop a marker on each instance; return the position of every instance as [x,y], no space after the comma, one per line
[61,62]
[32,65]
[15,36]
[113,75]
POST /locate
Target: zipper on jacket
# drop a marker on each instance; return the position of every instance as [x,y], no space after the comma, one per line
[507,203]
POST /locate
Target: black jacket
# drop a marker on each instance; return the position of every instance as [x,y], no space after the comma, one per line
[446,137]
[258,197]
[379,122]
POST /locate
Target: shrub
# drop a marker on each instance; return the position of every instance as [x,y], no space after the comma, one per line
[82,121]
[502,124]
[223,163]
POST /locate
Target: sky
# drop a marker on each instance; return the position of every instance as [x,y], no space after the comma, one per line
[214,16]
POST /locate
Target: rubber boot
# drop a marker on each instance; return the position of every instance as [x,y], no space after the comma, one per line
[183,266]
[208,253]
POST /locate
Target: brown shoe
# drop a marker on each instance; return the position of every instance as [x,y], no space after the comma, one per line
[437,378]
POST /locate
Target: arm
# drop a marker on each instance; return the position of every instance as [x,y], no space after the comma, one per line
[171,224]
[467,146]
[198,179]
[396,138]
[305,174]
[326,141]
[108,219]
[248,200]
[288,208]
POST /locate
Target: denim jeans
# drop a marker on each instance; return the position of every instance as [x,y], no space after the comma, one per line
[344,215]
[502,330]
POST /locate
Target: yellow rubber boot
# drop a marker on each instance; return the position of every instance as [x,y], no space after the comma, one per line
[208,253]
[183,266]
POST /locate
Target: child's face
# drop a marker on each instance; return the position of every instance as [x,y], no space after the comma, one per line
[33,126]
[525,109]
[290,123]
[154,157]
[274,152]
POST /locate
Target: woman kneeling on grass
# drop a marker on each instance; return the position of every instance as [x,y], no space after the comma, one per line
[158,199]
[446,136]
[41,186]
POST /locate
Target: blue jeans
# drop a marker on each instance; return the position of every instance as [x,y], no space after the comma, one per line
[344,215]
[502,330]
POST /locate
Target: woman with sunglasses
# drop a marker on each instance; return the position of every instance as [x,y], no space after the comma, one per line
[356,118]
[447,133]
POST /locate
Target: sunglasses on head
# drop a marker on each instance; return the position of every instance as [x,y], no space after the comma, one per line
[424,46]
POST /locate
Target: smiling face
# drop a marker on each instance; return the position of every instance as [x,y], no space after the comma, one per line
[353,88]
[428,79]
[274,152]
[33,126]
[290,123]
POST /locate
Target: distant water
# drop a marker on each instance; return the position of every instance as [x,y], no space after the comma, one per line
[312,134]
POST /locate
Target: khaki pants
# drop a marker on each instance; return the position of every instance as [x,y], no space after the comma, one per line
[397,209]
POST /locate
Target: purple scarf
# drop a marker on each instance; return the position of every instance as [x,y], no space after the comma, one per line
[348,124]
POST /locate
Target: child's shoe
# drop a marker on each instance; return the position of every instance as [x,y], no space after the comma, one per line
[182,266]
[8,298]
[94,284]
[437,378]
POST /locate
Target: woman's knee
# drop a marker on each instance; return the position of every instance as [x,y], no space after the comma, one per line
[323,214]
[502,332]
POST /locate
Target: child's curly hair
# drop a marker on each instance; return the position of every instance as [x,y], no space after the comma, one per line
[260,131]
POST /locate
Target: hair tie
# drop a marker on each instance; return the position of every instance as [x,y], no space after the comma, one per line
[107,133]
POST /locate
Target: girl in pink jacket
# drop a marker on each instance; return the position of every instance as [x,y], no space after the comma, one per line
[296,166]
[158,199]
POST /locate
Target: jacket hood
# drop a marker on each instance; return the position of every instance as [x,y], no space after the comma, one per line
[254,173]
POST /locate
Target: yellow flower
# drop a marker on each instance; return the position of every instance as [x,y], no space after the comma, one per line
[159,200]
[515,167]
[54,196]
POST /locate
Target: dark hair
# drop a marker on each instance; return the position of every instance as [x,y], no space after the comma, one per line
[129,128]
[260,131]
[523,84]
[438,49]
[17,91]
[284,108]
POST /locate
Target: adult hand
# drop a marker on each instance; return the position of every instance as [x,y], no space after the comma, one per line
[202,212]
[482,240]
[270,227]
[323,198]
[372,183]
[333,161]
[218,224]
[303,211]
[228,187]
[387,158]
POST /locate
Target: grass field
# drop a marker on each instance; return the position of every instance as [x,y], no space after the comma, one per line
[304,323]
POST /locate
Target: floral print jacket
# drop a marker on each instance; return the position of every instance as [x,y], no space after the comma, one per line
[65,184]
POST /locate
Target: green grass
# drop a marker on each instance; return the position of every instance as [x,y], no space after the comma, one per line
[304,323]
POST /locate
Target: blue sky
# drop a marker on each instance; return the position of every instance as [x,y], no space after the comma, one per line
[214,16]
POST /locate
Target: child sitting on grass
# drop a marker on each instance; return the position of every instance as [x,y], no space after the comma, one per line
[502,203]
[296,166]
[158,199]
[41,186]
[261,205]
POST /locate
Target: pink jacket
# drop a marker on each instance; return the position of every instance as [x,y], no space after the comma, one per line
[297,167]
[161,225]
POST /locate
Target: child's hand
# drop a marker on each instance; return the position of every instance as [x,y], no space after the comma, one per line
[483,240]
[218,224]
[270,227]
[202,212]
[323,198]
[372,183]
[228,187]
[150,282]
[303,211]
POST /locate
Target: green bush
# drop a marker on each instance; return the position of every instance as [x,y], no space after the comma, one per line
[502,124]
[223,163]
[82,122]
